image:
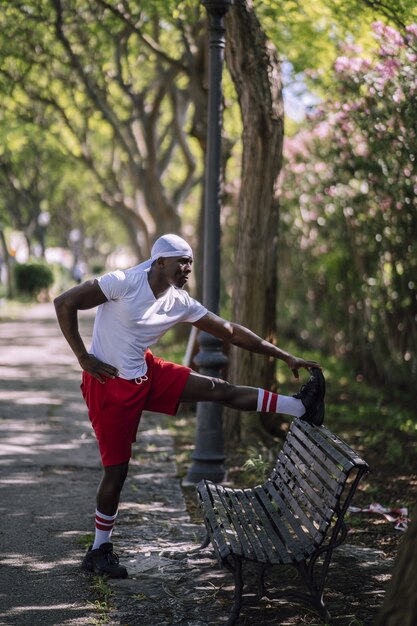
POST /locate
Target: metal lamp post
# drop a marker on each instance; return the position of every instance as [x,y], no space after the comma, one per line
[208,455]
[43,222]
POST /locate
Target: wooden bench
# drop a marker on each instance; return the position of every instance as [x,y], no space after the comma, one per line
[294,518]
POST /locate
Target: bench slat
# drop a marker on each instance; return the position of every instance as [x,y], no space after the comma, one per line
[334,448]
[296,545]
[324,468]
[323,505]
[351,456]
[306,469]
[218,524]
[315,519]
[233,537]
[255,530]
[236,536]
[294,507]
[249,546]
[278,552]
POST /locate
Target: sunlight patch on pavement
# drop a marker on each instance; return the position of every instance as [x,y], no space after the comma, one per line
[23,479]
[36,399]
[19,610]
[32,565]
[24,397]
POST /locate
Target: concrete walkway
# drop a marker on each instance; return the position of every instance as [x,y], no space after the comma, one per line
[49,471]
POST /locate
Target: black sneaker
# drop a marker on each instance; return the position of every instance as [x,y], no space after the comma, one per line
[312,396]
[104,561]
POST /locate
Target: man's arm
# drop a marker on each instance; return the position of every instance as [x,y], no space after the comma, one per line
[83,297]
[244,338]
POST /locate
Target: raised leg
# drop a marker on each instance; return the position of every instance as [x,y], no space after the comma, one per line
[207,389]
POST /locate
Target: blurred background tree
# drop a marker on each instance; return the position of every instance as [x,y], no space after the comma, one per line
[114,90]
[349,198]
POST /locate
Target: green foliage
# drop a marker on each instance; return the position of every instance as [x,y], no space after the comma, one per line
[309,35]
[351,183]
[31,278]
[85,540]
[110,83]
[256,467]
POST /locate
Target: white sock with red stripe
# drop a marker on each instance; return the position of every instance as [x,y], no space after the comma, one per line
[269,402]
[104,528]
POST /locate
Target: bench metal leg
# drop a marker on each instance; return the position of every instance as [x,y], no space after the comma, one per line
[316,594]
[205,543]
[237,604]
[262,590]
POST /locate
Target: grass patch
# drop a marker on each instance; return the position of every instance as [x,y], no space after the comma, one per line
[85,541]
[103,602]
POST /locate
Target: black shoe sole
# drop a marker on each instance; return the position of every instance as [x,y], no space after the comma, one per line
[317,418]
[98,572]
[88,566]
[110,574]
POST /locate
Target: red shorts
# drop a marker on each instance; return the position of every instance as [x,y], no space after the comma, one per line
[115,407]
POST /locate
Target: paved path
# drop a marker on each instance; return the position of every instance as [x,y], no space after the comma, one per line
[49,471]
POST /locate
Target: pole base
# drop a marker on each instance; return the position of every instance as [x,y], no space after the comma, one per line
[215,472]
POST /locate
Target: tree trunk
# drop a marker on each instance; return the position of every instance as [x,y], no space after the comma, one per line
[7,264]
[400,604]
[255,69]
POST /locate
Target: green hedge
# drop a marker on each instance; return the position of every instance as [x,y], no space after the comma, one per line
[32,277]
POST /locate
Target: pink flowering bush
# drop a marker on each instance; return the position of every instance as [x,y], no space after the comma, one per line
[349,211]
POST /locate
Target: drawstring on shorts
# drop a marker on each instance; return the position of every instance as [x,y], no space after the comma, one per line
[140,380]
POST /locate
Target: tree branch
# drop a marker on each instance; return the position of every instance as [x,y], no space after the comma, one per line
[179,114]
[93,91]
[146,39]
[386,10]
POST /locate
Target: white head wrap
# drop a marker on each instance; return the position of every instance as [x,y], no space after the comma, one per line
[167,246]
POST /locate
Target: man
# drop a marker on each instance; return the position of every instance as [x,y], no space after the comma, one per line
[121,377]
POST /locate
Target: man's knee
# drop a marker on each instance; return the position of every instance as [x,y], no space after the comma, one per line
[115,475]
[222,389]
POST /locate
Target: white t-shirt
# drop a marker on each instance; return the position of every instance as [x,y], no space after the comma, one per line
[132,319]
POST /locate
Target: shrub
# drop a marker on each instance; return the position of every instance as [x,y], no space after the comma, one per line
[349,223]
[32,277]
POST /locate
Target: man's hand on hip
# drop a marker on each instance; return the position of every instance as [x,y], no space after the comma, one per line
[97,368]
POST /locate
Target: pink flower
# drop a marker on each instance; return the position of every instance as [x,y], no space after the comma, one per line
[298,168]
[341,64]
[322,130]
[361,149]
[320,167]
[378,28]
[353,48]
[350,65]
[412,29]
[389,34]
[385,203]
[398,95]
[388,49]
[331,191]
[388,67]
